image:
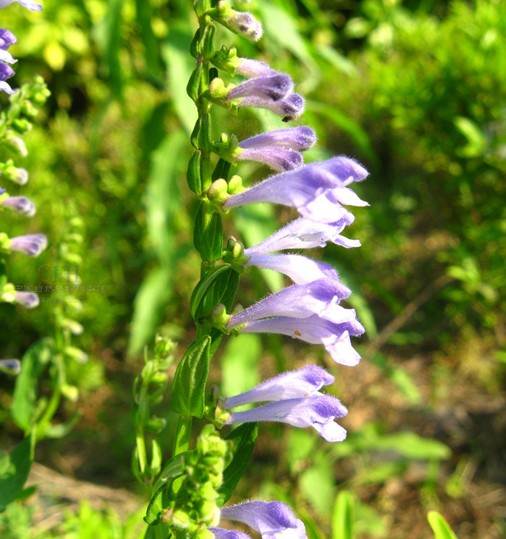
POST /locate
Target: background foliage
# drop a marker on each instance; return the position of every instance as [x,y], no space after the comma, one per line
[416,90]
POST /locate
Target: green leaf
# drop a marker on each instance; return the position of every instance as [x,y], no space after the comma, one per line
[317,484]
[343,516]
[144,17]
[414,447]
[24,404]
[439,526]
[189,386]
[14,469]
[239,363]
[151,297]
[245,437]
[208,234]
[218,286]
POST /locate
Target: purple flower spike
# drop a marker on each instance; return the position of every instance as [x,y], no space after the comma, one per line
[316,190]
[319,298]
[277,159]
[272,520]
[19,204]
[288,385]
[292,138]
[7,38]
[28,4]
[31,244]
[300,269]
[305,234]
[270,88]
[222,533]
[29,300]
[314,330]
[317,411]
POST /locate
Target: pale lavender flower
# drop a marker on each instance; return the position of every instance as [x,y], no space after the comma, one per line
[7,38]
[291,138]
[30,244]
[297,384]
[305,234]
[279,149]
[315,330]
[253,68]
[319,298]
[271,88]
[318,411]
[6,72]
[317,190]
[29,300]
[300,269]
[290,107]
[6,57]
[10,366]
[244,23]
[28,4]
[273,520]
[277,159]
[222,533]
[20,205]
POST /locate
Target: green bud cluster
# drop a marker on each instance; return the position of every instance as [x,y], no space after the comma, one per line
[195,505]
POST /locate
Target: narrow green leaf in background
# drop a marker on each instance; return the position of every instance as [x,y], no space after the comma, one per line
[439,526]
[343,516]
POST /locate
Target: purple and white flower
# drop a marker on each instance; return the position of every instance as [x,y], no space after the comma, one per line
[318,191]
[29,300]
[314,330]
[305,234]
[20,205]
[28,4]
[30,244]
[272,520]
[10,366]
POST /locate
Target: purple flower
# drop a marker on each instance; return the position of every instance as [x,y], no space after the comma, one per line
[222,533]
[300,269]
[11,366]
[301,383]
[7,38]
[289,107]
[317,190]
[19,204]
[319,298]
[29,300]
[272,520]
[28,4]
[317,411]
[253,68]
[6,72]
[305,234]
[292,138]
[271,88]
[245,24]
[31,244]
[278,149]
[315,330]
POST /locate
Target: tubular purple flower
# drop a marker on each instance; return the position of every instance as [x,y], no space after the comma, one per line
[289,107]
[31,244]
[10,366]
[6,72]
[245,24]
[7,38]
[6,57]
[29,300]
[277,159]
[28,4]
[253,68]
[272,88]
[300,269]
[305,234]
[297,384]
[319,298]
[271,519]
[291,138]
[317,190]
[315,330]
[20,205]
[318,411]
[222,533]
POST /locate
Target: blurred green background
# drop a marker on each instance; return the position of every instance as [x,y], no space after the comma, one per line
[415,90]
